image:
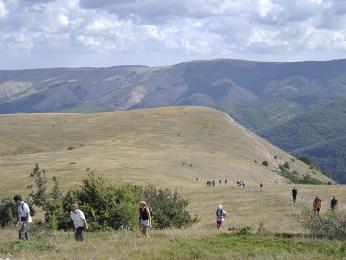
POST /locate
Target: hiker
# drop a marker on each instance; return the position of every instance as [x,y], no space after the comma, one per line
[226,181]
[24,218]
[220,181]
[220,216]
[213,183]
[261,186]
[317,205]
[79,222]
[145,218]
[333,203]
[294,194]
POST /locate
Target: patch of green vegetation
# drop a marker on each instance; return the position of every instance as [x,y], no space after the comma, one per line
[295,178]
[318,134]
[11,247]
[232,245]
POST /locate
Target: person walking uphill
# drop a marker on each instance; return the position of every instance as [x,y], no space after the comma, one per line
[24,219]
[79,222]
[220,216]
[317,205]
[294,194]
[333,203]
[144,218]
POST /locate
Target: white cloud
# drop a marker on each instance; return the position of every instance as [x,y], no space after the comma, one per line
[141,29]
[3,11]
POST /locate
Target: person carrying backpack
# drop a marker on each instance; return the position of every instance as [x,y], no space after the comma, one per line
[220,217]
[144,218]
[24,218]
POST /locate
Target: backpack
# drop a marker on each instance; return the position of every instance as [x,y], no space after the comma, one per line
[32,210]
[220,213]
[150,210]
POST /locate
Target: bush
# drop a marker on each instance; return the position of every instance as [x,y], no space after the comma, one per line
[105,205]
[286,165]
[8,212]
[108,206]
[265,163]
[169,209]
[40,197]
[331,225]
[294,177]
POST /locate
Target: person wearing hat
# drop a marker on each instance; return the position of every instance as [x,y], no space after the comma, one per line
[144,218]
[79,222]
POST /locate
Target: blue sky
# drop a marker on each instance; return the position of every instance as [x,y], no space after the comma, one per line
[75,33]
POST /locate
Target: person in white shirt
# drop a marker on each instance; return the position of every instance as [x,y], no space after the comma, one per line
[24,219]
[79,222]
[220,217]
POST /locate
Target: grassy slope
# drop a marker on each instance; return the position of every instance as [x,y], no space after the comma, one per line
[150,146]
[141,146]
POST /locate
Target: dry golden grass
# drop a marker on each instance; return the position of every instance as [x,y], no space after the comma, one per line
[150,146]
[136,146]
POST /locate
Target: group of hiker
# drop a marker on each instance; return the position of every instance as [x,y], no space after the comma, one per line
[317,203]
[77,216]
[212,183]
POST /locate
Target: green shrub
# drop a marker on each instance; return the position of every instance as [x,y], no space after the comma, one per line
[39,197]
[105,205]
[286,165]
[8,212]
[265,163]
[55,215]
[169,209]
[331,225]
[294,177]
[108,206]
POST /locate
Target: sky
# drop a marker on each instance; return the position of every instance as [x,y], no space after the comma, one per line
[101,33]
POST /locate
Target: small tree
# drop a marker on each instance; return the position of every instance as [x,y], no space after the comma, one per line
[8,212]
[56,193]
[286,165]
[169,208]
[40,196]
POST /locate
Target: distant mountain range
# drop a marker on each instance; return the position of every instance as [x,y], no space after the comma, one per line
[299,106]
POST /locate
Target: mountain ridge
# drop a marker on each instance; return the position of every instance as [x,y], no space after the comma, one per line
[260,95]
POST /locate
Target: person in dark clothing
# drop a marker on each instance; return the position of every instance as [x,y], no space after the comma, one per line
[261,186]
[294,194]
[144,218]
[316,205]
[333,203]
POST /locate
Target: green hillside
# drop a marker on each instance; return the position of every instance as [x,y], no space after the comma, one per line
[320,134]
